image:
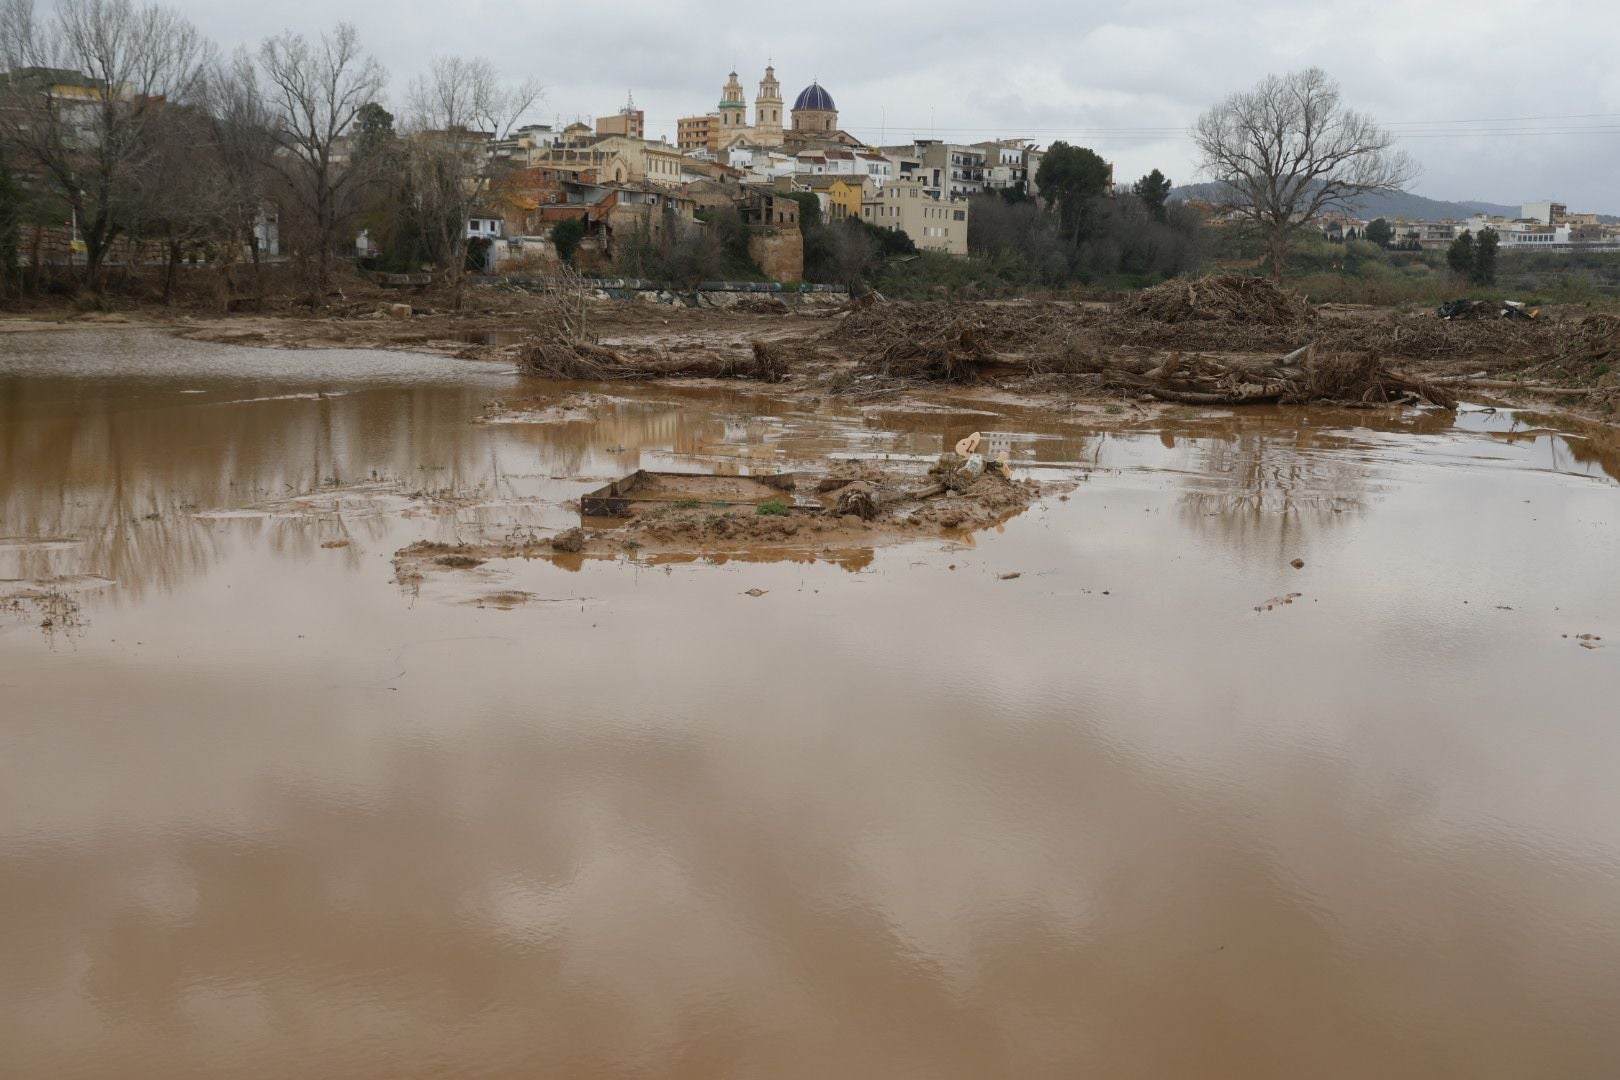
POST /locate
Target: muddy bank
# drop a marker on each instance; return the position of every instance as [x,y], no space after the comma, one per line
[808,515]
[1221,340]
[1221,327]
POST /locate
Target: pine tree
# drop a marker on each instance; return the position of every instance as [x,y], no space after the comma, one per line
[1461,255]
[1153,189]
[1484,268]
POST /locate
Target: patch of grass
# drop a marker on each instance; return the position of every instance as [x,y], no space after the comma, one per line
[1600,370]
[686,504]
[772,508]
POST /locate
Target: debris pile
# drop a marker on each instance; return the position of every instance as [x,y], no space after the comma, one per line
[930,349]
[762,305]
[855,504]
[561,347]
[1227,298]
[1362,379]
[552,354]
[1357,379]
[950,343]
[1592,340]
[1484,309]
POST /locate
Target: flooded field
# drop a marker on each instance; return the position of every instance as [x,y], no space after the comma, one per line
[1114,788]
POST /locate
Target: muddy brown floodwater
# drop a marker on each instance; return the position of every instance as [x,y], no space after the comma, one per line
[867,812]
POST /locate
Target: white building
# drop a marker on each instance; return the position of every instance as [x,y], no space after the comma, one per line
[1010,163]
[838,162]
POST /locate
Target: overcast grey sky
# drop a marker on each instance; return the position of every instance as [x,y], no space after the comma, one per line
[1125,78]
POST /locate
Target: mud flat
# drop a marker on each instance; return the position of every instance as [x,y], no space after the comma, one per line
[1220,340]
[852,504]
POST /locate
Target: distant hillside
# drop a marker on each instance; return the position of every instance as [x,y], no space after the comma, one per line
[1400,204]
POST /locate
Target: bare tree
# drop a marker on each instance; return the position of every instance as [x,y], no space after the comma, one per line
[315,90]
[469,94]
[1289,149]
[82,96]
[177,196]
[243,141]
[455,111]
[688,253]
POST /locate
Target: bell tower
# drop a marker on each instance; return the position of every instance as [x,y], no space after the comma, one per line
[733,109]
[768,110]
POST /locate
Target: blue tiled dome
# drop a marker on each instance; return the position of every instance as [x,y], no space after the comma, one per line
[814,97]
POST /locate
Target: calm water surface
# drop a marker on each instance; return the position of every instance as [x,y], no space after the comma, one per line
[264,812]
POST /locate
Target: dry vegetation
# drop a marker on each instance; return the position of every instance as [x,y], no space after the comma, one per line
[1226,335]
[1226,339]
[1226,298]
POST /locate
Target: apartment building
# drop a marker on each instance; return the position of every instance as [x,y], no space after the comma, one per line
[1010,164]
[629,121]
[946,169]
[698,133]
[934,224]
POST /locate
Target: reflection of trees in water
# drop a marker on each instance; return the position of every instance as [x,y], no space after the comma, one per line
[1263,483]
[125,477]
[1572,446]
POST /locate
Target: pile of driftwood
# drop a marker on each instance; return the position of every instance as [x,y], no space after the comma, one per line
[1410,336]
[561,346]
[1593,340]
[939,350]
[1357,379]
[946,343]
[551,357]
[1231,298]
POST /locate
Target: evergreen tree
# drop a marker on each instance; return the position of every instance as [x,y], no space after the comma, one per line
[373,129]
[1071,179]
[1154,190]
[1461,255]
[1484,268]
[566,236]
[1380,232]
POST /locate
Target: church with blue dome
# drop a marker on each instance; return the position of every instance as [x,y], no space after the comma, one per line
[812,121]
[814,111]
